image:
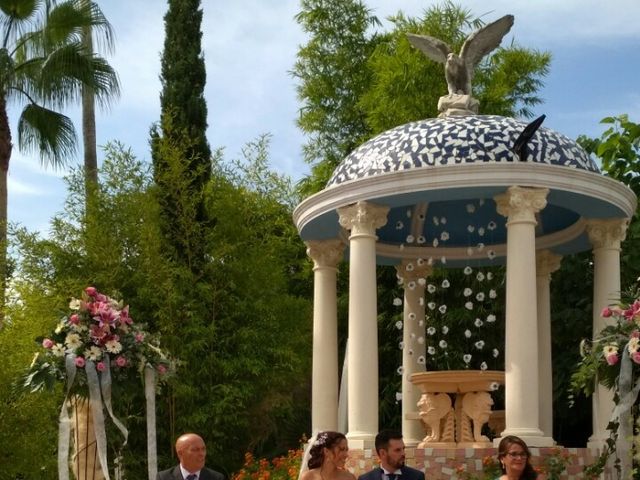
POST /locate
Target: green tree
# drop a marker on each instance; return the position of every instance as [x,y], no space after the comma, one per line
[333,74]
[183,80]
[43,66]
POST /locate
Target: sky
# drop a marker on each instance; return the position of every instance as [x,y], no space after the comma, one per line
[250,47]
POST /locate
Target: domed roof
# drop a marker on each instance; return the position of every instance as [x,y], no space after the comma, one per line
[457,140]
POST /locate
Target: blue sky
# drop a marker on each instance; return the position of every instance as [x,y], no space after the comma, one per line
[250,47]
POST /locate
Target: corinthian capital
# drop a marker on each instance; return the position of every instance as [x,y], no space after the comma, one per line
[325,253]
[547,262]
[412,270]
[607,233]
[521,204]
[363,218]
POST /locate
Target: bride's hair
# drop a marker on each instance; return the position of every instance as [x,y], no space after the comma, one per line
[323,440]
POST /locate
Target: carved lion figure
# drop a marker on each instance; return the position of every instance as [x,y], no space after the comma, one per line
[477,407]
[433,408]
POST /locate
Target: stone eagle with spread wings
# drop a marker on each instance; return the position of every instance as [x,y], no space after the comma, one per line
[458,69]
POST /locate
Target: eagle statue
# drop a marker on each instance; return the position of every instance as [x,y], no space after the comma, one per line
[458,69]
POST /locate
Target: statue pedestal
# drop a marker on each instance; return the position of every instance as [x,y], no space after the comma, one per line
[472,407]
[457,105]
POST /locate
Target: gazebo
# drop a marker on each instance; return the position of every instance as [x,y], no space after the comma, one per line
[538,193]
[541,203]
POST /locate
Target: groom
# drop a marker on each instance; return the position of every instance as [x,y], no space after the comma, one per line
[390,450]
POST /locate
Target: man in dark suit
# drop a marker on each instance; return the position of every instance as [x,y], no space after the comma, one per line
[191,452]
[390,450]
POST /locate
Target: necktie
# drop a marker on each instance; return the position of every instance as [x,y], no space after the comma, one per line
[392,476]
[193,476]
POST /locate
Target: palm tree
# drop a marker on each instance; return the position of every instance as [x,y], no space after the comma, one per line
[43,67]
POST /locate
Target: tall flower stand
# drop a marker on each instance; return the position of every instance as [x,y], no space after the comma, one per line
[84,462]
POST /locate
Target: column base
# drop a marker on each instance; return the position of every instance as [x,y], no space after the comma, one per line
[361,440]
[530,440]
[411,442]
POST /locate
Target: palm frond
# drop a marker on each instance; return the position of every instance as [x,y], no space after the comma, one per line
[49,133]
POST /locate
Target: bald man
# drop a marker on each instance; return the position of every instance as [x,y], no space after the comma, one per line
[191,452]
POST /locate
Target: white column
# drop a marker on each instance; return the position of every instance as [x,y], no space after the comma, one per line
[362,219]
[413,277]
[520,205]
[605,236]
[324,382]
[546,263]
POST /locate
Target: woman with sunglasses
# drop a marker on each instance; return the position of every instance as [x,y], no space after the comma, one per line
[513,455]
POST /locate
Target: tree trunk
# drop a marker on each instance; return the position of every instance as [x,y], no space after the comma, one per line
[89,126]
[5,156]
[85,463]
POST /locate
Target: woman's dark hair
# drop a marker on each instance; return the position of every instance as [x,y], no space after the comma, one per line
[323,440]
[528,473]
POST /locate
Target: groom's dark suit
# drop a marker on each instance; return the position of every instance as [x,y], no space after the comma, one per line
[175,474]
[408,473]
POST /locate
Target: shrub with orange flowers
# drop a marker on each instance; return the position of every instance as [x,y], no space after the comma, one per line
[490,470]
[285,467]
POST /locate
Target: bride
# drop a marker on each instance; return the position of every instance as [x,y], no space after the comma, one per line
[325,458]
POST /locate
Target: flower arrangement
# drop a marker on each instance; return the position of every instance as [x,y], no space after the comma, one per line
[98,330]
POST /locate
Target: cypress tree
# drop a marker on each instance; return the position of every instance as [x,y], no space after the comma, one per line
[183,106]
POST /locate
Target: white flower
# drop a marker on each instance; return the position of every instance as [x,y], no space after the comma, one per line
[79,328]
[113,346]
[442,309]
[444,236]
[489,276]
[398,396]
[430,261]
[471,208]
[420,340]
[468,270]
[481,231]
[480,297]
[445,283]
[411,316]
[421,301]
[409,213]
[409,267]
[436,221]
[481,201]
[421,216]
[399,324]
[401,345]
[469,251]
[93,353]
[494,386]
[492,292]
[471,228]
[410,351]
[431,288]
[491,318]
[468,305]
[466,357]
[431,305]
[431,350]
[423,282]
[421,239]
[442,344]
[467,333]
[431,330]
[443,259]
[420,323]
[445,329]
[495,353]
[443,220]
[410,238]
[400,370]
[420,262]
[479,344]
[610,349]
[478,323]
[74,304]
[480,246]
[401,247]
[633,344]
[483,366]
[399,225]
[491,254]
[73,341]
[421,360]
[467,292]
[480,276]
[58,350]
[59,327]
[435,242]
[397,302]
[411,285]
[492,225]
